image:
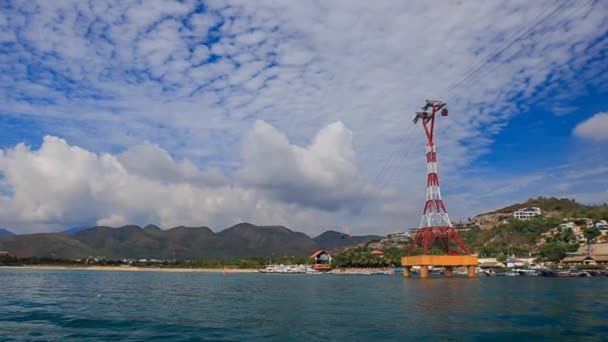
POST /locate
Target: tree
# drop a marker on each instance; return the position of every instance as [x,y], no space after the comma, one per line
[580,222]
[591,233]
[553,251]
[567,235]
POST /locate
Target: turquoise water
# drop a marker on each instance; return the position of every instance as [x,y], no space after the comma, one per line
[104,305]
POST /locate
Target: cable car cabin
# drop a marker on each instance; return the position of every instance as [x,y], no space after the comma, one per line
[444,112]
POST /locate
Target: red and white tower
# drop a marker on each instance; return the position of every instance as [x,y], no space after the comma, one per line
[435,225]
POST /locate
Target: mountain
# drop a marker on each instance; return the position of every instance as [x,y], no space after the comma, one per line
[246,239]
[332,239]
[5,232]
[54,245]
[241,240]
[74,230]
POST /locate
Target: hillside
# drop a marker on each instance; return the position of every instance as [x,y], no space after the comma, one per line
[550,206]
[521,237]
[561,207]
[182,243]
[332,239]
[5,232]
[55,245]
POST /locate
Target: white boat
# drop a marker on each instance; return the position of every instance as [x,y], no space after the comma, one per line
[289,269]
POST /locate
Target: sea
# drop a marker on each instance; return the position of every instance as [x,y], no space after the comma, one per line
[83,305]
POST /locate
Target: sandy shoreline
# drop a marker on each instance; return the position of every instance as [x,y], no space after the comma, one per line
[133,269]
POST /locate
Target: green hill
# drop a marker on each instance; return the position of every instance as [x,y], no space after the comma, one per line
[520,237]
[151,242]
[562,207]
[332,239]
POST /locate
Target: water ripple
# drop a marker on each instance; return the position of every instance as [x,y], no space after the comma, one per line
[137,306]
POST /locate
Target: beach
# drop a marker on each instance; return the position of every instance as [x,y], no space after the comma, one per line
[134,269]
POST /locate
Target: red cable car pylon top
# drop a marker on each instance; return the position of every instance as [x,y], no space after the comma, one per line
[435,225]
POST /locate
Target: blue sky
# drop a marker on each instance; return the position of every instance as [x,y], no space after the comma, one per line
[294,113]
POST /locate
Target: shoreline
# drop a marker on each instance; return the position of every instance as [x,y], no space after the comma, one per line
[133,269]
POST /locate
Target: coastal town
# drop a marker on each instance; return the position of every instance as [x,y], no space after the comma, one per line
[568,246]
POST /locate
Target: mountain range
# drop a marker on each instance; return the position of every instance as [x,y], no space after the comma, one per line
[5,232]
[241,240]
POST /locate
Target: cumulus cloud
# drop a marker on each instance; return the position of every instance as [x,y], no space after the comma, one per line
[61,185]
[594,128]
[194,77]
[324,174]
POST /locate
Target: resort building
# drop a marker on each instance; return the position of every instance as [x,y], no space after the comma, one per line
[466,225]
[586,260]
[527,213]
[596,254]
[400,236]
[321,260]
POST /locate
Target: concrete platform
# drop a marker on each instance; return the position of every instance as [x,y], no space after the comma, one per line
[447,261]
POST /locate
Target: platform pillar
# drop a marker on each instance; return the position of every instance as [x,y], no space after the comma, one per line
[424,271]
[447,272]
[471,272]
[407,272]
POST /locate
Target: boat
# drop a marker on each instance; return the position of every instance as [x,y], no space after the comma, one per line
[526,272]
[285,269]
[571,274]
[489,273]
[290,269]
[564,273]
[321,267]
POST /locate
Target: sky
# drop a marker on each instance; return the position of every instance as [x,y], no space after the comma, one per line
[295,113]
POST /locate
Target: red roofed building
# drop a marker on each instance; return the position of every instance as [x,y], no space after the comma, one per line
[377,252]
[321,260]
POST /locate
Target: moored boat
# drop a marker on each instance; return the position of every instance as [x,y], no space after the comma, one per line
[285,269]
[564,273]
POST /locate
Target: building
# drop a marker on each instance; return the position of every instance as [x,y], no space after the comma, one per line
[400,236]
[527,213]
[321,260]
[518,262]
[465,225]
[586,260]
[596,254]
[491,265]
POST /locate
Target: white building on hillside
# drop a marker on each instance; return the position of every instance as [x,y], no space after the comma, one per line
[527,213]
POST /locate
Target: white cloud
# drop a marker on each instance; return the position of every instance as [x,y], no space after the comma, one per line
[594,128]
[61,185]
[111,75]
[324,175]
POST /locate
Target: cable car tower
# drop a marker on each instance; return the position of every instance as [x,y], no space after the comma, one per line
[435,225]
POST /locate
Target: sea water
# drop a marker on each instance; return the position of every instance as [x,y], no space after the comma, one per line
[108,305]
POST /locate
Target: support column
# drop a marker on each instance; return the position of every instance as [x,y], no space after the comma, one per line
[471,272]
[447,272]
[424,272]
[407,271]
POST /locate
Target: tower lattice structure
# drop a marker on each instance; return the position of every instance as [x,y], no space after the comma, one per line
[435,226]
